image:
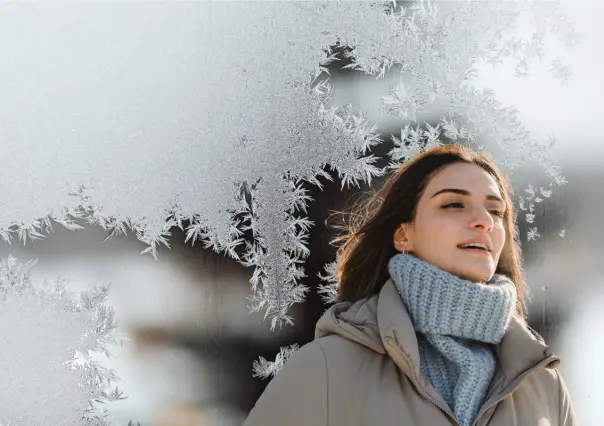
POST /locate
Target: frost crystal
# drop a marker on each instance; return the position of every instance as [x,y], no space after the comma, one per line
[329,290]
[254,124]
[533,234]
[404,102]
[560,71]
[264,368]
[45,316]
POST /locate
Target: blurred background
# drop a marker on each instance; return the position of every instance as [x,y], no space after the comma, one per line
[193,341]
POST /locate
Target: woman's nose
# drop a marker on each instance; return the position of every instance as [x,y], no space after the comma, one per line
[483,218]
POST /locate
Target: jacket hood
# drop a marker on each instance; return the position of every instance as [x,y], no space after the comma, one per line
[372,321]
[353,321]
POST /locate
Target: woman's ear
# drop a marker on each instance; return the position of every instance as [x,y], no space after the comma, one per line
[401,240]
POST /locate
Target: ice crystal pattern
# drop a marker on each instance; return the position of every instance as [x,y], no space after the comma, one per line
[254,128]
[39,319]
[265,369]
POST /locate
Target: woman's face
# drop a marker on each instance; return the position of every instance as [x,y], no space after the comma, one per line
[461,203]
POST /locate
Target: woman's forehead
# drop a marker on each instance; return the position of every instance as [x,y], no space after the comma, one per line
[468,177]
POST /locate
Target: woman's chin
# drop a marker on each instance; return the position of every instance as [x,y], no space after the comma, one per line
[477,271]
[477,275]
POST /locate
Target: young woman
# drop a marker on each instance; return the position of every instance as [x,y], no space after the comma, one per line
[429,329]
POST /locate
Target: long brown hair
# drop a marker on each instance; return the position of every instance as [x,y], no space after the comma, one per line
[367,243]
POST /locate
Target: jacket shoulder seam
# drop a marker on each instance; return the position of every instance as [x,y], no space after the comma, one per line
[559,394]
[326,383]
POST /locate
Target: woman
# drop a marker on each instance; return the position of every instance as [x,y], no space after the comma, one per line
[429,328]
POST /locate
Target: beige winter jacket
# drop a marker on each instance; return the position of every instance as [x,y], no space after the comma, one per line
[363,370]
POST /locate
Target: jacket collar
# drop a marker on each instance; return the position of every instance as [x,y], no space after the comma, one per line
[520,349]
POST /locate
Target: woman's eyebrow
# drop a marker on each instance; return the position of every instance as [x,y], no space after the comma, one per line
[464,192]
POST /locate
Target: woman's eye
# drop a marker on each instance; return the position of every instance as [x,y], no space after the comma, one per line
[452,205]
[459,205]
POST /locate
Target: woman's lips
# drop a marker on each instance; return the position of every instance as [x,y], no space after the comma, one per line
[476,251]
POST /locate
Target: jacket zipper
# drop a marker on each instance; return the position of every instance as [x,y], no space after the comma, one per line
[511,387]
[446,410]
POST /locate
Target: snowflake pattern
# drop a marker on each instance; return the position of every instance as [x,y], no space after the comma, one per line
[97,322]
[264,368]
[268,129]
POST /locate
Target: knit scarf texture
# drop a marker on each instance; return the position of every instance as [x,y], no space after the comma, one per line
[455,320]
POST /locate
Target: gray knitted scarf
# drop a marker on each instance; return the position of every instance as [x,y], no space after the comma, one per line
[454,320]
